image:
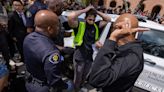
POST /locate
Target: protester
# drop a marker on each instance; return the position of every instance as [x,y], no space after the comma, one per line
[86,34]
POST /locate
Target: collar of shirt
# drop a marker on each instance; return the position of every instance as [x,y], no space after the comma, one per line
[128,46]
[43,35]
[20,13]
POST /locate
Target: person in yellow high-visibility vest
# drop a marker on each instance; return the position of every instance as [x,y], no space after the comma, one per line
[86,34]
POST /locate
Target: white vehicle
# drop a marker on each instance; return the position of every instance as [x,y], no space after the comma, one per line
[152,77]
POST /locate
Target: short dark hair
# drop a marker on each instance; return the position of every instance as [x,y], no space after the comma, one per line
[18,1]
[91,12]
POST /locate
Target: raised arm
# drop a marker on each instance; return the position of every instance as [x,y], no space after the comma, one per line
[105,18]
[73,16]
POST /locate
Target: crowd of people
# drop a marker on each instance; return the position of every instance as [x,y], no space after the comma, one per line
[119,10]
[36,31]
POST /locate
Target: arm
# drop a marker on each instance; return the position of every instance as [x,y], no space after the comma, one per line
[66,27]
[105,17]
[30,14]
[73,17]
[10,25]
[106,70]
[52,70]
[30,22]
[11,28]
[99,73]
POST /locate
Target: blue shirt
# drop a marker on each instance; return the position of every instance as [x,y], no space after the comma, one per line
[43,59]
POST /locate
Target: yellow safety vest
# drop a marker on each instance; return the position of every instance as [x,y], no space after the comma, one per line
[78,40]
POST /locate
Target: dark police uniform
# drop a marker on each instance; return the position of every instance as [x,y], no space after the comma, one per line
[38,5]
[116,69]
[43,62]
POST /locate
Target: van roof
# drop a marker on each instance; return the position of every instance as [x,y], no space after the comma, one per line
[152,25]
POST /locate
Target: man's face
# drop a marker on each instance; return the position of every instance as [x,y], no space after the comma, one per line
[90,19]
[57,7]
[17,6]
[54,29]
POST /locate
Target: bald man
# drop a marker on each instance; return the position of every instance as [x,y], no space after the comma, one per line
[57,7]
[120,61]
[42,57]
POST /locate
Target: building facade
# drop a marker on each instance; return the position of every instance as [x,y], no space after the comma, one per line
[153,7]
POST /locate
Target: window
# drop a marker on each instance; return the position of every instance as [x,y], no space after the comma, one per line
[113,4]
[155,11]
[142,7]
[153,42]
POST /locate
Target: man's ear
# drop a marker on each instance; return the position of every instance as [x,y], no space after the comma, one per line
[49,29]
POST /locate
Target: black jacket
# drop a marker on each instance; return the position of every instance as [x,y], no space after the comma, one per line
[16,27]
[116,69]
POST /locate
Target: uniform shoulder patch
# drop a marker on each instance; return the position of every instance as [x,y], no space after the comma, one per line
[54,58]
[28,14]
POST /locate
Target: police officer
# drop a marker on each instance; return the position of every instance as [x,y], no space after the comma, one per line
[56,6]
[42,57]
[34,8]
[120,60]
[86,34]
